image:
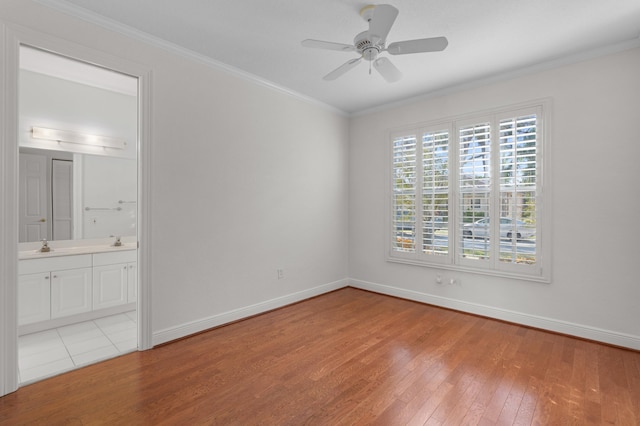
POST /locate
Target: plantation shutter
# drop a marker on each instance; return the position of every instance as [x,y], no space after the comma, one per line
[435,192]
[404,194]
[475,191]
[518,183]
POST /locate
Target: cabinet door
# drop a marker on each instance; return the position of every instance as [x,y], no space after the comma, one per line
[132,282]
[109,285]
[70,292]
[34,298]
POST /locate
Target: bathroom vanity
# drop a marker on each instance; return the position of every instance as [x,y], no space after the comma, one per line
[72,284]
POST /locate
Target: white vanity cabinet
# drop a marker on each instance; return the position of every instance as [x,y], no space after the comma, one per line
[112,273]
[61,289]
[53,287]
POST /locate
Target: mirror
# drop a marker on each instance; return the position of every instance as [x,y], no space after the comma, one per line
[74,187]
[68,196]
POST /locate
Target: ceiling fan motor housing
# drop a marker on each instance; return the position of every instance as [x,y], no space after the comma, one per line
[366,47]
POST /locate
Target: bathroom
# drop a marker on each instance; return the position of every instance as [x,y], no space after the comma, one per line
[78,215]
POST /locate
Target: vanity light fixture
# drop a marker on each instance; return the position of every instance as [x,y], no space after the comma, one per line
[77,138]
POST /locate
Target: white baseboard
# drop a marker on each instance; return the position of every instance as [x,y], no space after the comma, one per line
[183,330]
[550,324]
[74,319]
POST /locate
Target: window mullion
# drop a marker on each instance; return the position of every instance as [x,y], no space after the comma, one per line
[494,196]
[454,192]
[418,238]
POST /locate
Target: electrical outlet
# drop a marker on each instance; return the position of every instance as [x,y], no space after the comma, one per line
[280,273]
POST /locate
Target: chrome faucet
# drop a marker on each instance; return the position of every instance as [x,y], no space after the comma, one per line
[45,246]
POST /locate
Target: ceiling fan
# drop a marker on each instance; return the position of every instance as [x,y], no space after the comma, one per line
[369,44]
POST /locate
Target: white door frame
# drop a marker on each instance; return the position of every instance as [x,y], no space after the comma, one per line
[11,37]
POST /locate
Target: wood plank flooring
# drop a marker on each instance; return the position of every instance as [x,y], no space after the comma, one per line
[348,357]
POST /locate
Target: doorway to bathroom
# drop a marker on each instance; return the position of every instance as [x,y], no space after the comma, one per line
[78,217]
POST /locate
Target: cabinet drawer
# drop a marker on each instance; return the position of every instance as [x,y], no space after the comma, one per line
[58,263]
[113,257]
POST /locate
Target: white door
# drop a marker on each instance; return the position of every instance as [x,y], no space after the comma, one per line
[62,196]
[109,285]
[70,292]
[33,198]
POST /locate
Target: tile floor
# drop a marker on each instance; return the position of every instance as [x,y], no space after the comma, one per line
[55,351]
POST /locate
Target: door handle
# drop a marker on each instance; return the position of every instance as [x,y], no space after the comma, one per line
[43,220]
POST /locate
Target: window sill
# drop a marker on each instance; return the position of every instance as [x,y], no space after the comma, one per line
[544,279]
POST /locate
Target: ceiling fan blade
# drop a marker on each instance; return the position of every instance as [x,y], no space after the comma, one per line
[319,44]
[434,44]
[384,15]
[342,69]
[387,70]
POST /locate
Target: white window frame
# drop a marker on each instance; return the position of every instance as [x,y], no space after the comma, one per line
[540,271]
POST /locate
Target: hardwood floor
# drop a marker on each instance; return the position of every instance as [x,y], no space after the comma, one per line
[348,357]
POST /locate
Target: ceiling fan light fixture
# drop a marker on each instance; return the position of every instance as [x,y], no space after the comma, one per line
[370,54]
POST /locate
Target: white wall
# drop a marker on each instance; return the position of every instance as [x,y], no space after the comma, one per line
[245,180]
[594,199]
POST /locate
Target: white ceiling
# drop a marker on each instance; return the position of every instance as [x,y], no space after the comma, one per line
[262,38]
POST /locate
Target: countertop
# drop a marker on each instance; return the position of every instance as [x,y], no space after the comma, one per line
[72,251]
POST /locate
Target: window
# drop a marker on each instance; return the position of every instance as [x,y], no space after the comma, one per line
[467,194]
